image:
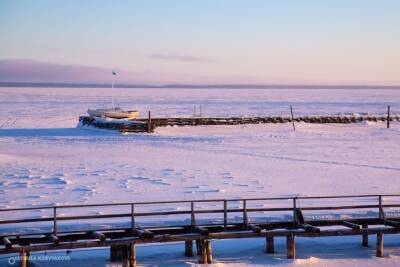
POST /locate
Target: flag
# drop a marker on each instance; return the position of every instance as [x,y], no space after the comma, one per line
[114,73]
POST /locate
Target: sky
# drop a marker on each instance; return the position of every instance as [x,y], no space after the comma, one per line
[201,41]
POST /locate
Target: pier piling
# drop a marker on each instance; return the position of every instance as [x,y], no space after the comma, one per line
[290,246]
[189,248]
[379,244]
[365,235]
[270,245]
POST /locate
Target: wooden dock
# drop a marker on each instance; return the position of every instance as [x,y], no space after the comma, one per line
[150,124]
[301,222]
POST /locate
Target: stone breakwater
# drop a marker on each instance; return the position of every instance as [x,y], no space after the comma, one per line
[149,124]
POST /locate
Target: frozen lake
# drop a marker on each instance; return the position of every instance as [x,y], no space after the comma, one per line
[60,107]
[46,160]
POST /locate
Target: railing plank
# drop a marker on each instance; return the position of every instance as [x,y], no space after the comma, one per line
[350,225]
[104,216]
[196,201]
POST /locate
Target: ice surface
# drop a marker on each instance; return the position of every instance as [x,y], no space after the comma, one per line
[45,160]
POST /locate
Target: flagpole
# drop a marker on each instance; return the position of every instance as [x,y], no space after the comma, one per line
[112,90]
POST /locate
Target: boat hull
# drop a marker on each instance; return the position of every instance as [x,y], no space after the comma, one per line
[115,113]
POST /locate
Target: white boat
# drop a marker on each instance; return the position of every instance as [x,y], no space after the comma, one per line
[115,113]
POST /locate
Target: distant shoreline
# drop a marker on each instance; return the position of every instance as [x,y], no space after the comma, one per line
[194,86]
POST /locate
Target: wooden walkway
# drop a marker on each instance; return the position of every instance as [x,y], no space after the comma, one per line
[149,124]
[255,221]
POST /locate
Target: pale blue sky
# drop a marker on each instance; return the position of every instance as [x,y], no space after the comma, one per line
[257,41]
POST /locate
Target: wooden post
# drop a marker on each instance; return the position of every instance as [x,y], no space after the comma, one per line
[200,112]
[270,245]
[203,252]
[133,216]
[189,248]
[381,213]
[245,218]
[194,111]
[126,256]
[379,244]
[199,248]
[123,253]
[294,211]
[24,258]
[290,246]
[388,117]
[365,236]
[55,221]
[149,123]
[117,252]
[132,255]
[225,214]
[192,215]
[208,251]
[291,111]
[113,253]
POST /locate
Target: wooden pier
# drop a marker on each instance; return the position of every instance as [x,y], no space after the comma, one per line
[150,124]
[254,216]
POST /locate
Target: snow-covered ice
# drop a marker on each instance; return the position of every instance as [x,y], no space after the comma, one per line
[45,159]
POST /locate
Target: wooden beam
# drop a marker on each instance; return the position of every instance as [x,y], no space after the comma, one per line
[117,233]
[132,255]
[379,244]
[392,223]
[201,230]
[125,253]
[309,228]
[203,254]
[54,239]
[133,216]
[381,211]
[350,225]
[107,216]
[290,246]
[270,244]
[254,228]
[97,235]
[189,248]
[125,240]
[7,243]
[199,249]
[142,233]
[126,256]
[295,221]
[245,216]
[118,253]
[298,216]
[192,215]
[55,220]
[24,258]
[208,251]
[225,214]
[365,235]
[149,123]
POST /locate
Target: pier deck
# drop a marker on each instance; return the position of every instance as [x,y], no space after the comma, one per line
[295,222]
[150,124]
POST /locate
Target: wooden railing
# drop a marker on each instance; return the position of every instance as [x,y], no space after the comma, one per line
[123,240]
[376,202]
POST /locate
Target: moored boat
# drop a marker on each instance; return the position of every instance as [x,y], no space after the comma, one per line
[115,113]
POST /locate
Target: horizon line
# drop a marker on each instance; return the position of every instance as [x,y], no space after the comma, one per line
[200,86]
